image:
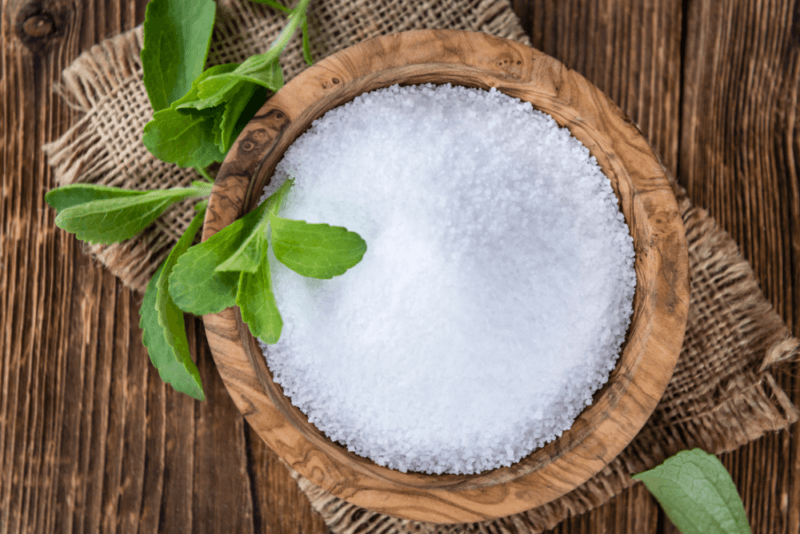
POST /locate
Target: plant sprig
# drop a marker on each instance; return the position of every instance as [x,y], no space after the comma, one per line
[197,116]
[198,128]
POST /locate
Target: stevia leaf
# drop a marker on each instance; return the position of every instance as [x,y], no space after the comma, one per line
[71,195]
[196,101]
[243,105]
[247,257]
[162,323]
[256,301]
[177,35]
[263,69]
[184,139]
[250,253]
[273,3]
[306,44]
[275,200]
[112,220]
[315,250]
[195,285]
[697,494]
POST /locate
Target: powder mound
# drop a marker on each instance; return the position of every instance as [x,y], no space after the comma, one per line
[495,293]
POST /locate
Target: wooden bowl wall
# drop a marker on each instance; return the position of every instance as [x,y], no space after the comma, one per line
[657,328]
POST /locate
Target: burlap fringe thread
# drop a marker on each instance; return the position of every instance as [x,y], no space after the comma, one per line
[105,86]
[721,395]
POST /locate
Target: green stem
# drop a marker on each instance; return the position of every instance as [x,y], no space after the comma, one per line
[204,173]
[203,188]
[296,18]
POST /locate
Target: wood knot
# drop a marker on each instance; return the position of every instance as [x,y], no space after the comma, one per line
[38,26]
[38,23]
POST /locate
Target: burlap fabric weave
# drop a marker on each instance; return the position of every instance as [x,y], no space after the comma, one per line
[722,394]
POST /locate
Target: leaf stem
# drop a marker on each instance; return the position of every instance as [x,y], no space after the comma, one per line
[297,17]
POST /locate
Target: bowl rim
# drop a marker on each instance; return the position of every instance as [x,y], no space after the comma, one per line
[475,59]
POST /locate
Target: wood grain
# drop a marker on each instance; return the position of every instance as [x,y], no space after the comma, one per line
[740,158]
[660,305]
[713,86]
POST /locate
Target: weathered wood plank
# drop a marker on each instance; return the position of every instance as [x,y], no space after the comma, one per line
[740,159]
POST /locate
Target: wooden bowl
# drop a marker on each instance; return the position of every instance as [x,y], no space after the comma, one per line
[654,338]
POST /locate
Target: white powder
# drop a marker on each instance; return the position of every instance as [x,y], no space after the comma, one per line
[495,292]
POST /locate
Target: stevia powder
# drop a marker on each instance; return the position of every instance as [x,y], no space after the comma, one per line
[496,289]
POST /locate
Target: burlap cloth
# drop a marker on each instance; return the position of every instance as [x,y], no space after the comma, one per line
[722,394]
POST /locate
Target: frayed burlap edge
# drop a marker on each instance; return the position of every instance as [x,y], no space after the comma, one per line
[749,403]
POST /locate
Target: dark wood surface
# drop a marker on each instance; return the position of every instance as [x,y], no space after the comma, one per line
[91,440]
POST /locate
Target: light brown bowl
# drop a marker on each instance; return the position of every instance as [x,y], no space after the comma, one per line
[654,338]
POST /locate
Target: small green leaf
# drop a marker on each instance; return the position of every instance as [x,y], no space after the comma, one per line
[67,196]
[162,323]
[697,494]
[195,285]
[116,219]
[315,250]
[256,301]
[177,35]
[247,257]
[238,112]
[276,199]
[263,69]
[181,138]
[249,254]
[274,4]
[195,100]
[306,44]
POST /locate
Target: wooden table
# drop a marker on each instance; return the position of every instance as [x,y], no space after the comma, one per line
[90,438]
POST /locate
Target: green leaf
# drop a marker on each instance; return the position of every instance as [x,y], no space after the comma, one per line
[184,139]
[238,112]
[249,255]
[195,100]
[256,301]
[276,199]
[263,69]
[163,328]
[195,285]
[116,219]
[177,35]
[274,4]
[67,196]
[315,250]
[307,44]
[697,494]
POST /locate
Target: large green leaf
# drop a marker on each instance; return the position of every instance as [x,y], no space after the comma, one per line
[315,250]
[184,139]
[177,34]
[121,217]
[697,494]
[163,328]
[68,196]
